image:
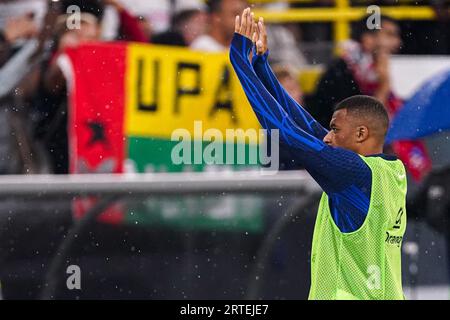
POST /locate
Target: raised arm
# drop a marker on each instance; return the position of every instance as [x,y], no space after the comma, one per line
[262,69]
[269,112]
[342,174]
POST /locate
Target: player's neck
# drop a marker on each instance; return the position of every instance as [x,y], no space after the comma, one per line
[370,150]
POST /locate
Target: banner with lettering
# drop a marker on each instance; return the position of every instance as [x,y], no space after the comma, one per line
[131,105]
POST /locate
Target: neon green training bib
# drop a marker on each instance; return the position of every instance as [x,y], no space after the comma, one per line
[366,263]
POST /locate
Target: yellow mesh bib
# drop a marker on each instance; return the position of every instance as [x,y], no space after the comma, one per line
[366,263]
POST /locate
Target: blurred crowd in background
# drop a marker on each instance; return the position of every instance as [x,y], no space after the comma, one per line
[33,96]
[33,32]
[33,89]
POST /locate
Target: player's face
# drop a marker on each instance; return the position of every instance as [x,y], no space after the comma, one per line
[342,131]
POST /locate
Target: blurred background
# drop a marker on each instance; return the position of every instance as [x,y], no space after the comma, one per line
[97,86]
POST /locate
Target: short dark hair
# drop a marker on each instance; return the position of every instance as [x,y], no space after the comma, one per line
[366,106]
[360,27]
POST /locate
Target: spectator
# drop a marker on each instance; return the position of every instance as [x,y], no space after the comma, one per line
[146,27]
[131,28]
[289,81]
[284,41]
[221,16]
[284,46]
[316,37]
[10,9]
[13,67]
[19,153]
[187,25]
[52,99]
[157,13]
[361,68]
[16,28]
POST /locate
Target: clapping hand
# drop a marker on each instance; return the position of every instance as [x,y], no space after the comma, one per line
[246,26]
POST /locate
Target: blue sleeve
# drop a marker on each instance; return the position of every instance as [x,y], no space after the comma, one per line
[300,116]
[341,173]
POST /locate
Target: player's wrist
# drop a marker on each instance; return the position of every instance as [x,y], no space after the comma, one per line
[260,59]
[242,43]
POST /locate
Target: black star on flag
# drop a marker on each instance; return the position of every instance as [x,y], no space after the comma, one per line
[98,132]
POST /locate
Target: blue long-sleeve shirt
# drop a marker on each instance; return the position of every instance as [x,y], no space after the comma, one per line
[300,116]
[342,174]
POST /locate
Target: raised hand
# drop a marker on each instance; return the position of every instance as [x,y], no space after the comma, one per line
[260,37]
[245,25]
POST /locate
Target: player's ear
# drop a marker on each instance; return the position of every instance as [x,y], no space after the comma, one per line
[362,133]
